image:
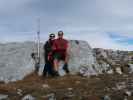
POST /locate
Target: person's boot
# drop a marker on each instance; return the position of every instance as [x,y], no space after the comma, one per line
[56,73]
[65,68]
[44,74]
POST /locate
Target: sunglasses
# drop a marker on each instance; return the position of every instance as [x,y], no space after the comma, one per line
[52,36]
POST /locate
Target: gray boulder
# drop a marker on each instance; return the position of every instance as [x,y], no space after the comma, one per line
[83,59]
[81,55]
[16,61]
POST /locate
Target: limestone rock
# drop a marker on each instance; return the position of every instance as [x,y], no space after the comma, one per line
[28,97]
[16,61]
[3,97]
[81,55]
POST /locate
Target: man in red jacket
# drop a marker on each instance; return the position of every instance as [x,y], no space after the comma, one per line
[60,48]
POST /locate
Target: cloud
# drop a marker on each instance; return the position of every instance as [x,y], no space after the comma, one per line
[90,20]
[101,39]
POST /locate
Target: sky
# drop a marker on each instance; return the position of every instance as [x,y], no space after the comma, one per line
[102,23]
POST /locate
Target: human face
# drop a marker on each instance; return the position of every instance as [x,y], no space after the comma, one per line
[52,37]
[60,35]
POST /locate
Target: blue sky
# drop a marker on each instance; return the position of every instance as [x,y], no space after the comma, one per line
[103,23]
[121,39]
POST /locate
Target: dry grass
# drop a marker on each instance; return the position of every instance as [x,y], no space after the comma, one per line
[82,88]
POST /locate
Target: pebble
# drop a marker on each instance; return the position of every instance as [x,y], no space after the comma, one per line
[28,97]
[45,86]
[51,96]
[106,97]
[19,92]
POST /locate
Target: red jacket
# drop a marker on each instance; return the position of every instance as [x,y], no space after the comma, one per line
[60,45]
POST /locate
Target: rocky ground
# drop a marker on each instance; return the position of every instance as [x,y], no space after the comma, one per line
[16,63]
[102,87]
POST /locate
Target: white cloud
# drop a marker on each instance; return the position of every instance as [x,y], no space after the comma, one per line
[89,20]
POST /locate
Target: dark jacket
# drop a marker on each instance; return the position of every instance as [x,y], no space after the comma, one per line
[48,63]
[48,49]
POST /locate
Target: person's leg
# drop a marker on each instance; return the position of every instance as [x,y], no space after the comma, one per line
[45,70]
[51,69]
[56,67]
[65,67]
[56,64]
[66,58]
[57,58]
[56,61]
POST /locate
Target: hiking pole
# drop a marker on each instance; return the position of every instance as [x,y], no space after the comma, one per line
[38,38]
[38,46]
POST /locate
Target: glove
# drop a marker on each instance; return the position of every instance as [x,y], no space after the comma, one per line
[50,56]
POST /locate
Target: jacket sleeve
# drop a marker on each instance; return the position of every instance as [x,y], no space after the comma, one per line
[54,46]
[66,44]
[47,47]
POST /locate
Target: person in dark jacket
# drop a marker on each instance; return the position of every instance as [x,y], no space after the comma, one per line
[48,68]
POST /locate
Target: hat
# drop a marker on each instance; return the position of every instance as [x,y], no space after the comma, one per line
[52,35]
[60,33]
